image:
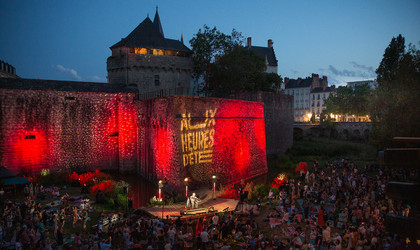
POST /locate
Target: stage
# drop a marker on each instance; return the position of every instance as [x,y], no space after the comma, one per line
[174,210]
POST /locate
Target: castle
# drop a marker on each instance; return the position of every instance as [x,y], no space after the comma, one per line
[156,65]
[142,120]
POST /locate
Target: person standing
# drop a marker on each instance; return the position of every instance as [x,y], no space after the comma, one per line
[321,217]
[270,196]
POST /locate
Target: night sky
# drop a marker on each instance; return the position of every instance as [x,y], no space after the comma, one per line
[70,40]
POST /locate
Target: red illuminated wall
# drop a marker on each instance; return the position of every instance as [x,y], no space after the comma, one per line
[66,130]
[234,130]
[171,138]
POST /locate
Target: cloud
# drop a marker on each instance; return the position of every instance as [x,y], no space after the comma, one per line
[67,71]
[368,69]
[357,71]
[96,79]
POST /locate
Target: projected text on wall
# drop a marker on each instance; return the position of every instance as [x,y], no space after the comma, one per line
[197,137]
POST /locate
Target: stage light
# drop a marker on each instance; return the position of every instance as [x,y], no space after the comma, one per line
[214,178]
[161,185]
[186,182]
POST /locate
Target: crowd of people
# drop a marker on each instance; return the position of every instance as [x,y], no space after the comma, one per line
[337,207]
[342,197]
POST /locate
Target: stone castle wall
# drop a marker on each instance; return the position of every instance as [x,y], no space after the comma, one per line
[66,130]
[184,136]
[172,138]
[278,113]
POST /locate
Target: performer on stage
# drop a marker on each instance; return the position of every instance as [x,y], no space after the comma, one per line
[194,201]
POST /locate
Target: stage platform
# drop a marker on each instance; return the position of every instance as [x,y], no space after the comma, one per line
[174,210]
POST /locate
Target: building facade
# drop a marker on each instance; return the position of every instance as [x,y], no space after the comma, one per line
[156,65]
[318,97]
[309,96]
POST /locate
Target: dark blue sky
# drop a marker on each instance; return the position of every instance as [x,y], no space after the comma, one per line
[70,40]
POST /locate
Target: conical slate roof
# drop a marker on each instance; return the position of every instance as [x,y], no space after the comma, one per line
[157,23]
[149,34]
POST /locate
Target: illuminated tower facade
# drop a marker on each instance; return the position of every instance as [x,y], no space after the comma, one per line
[156,65]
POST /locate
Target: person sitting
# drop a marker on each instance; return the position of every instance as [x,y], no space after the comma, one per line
[194,201]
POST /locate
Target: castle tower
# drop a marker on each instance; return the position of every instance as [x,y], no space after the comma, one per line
[156,65]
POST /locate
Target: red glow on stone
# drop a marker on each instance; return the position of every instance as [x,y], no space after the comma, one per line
[28,150]
[127,130]
[163,147]
[233,153]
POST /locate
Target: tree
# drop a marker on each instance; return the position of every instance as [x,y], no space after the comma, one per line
[208,45]
[349,101]
[238,70]
[226,66]
[395,106]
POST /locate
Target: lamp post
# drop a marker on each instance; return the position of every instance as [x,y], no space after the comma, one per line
[186,183]
[161,184]
[214,180]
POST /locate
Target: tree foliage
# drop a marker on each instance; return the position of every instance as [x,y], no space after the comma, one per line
[208,45]
[226,66]
[349,101]
[395,106]
[240,70]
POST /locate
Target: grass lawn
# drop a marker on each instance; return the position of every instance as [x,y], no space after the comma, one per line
[323,150]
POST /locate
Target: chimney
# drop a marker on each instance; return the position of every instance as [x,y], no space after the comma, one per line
[299,80]
[269,43]
[315,81]
[249,42]
[286,80]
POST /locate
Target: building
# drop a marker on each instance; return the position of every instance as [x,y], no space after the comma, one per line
[318,97]
[156,65]
[373,84]
[7,70]
[267,53]
[309,96]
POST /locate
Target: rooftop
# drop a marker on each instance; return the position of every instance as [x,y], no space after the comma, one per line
[149,34]
[266,53]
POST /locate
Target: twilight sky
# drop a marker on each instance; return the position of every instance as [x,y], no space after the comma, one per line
[70,40]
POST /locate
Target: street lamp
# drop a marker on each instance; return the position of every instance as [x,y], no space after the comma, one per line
[214,179]
[186,182]
[161,184]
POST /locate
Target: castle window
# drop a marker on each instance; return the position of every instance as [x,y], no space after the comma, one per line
[150,51]
[141,51]
[30,137]
[156,80]
[70,98]
[131,50]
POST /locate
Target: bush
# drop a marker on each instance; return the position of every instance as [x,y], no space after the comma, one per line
[275,190]
[262,190]
[154,201]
